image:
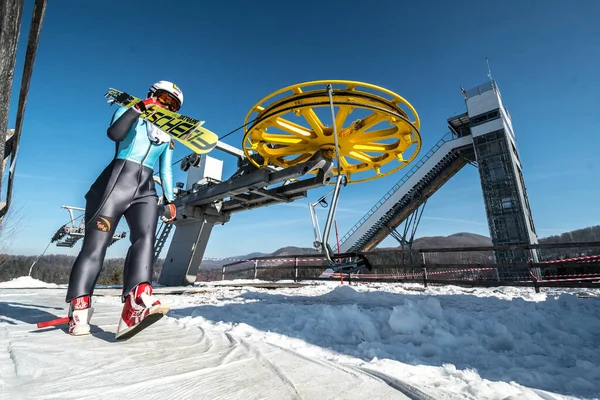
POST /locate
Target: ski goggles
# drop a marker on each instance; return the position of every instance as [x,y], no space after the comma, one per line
[167,100]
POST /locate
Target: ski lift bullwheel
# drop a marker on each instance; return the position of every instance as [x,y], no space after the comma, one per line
[378,130]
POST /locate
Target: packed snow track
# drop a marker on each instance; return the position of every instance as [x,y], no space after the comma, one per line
[321,341]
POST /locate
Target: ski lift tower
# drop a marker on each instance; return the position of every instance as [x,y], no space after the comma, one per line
[301,137]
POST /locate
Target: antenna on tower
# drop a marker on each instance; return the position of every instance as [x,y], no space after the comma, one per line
[489,70]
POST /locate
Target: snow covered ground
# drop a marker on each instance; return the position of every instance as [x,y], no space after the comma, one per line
[320,341]
[26,282]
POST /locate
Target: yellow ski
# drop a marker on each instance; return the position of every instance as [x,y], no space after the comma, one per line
[184,129]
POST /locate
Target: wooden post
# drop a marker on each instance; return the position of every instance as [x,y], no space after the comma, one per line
[295,269]
[534,276]
[424,269]
[10,26]
[255,268]
[223,273]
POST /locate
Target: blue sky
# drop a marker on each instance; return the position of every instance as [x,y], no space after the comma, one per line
[545,57]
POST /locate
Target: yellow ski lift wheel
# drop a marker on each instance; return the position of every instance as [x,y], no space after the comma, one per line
[378,131]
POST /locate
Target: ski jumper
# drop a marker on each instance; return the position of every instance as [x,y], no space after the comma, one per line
[125,188]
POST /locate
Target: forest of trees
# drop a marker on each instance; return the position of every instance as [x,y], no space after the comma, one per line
[590,234]
[56,268]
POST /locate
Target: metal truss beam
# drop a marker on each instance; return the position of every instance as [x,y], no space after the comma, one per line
[251,190]
[411,225]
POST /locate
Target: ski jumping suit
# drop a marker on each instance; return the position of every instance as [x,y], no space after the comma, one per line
[124,188]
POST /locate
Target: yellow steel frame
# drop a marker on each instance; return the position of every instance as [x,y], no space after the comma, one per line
[367,151]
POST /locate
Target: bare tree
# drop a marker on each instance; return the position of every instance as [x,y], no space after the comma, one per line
[10,226]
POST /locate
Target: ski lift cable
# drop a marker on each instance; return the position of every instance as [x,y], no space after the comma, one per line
[50,242]
[222,137]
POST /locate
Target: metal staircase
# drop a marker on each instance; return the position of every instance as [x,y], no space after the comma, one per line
[428,174]
[161,239]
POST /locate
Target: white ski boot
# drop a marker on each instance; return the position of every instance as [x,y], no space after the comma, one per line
[140,310]
[80,313]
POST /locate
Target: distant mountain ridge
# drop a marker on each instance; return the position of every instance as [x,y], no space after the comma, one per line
[461,239]
[282,252]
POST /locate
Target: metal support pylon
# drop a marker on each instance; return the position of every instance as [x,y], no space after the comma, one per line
[324,241]
[411,225]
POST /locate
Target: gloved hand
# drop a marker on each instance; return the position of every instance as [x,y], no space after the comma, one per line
[143,105]
[170,212]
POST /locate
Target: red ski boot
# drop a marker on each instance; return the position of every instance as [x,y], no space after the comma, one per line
[140,310]
[80,313]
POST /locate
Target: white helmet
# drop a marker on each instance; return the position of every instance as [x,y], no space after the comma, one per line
[169,87]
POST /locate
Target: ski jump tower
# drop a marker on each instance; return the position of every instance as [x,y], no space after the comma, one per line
[483,136]
[501,173]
